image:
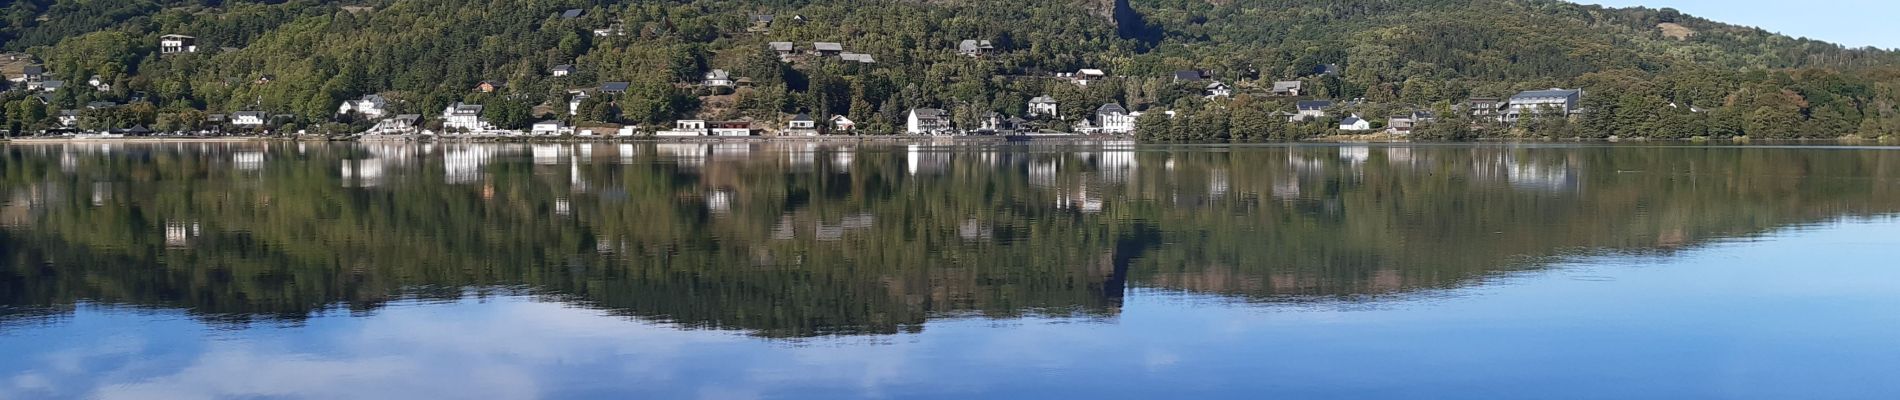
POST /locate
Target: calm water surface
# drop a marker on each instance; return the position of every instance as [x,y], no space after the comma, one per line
[1097,270]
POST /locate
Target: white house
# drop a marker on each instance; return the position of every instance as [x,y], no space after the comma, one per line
[927,121]
[397,125]
[1042,106]
[1082,77]
[717,78]
[465,118]
[685,127]
[68,118]
[370,106]
[574,102]
[99,84]
[553,127]
[561,70]
[732,128]
[173,44]
[840,123]
[1311,109]
[1559,102]
[1112,118]
[1218,89]
[248,118]
[801,125]
[1355,124]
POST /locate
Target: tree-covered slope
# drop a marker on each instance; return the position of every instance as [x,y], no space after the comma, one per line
[1396,54]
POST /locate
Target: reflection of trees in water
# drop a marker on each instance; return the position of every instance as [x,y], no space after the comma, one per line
[874,239]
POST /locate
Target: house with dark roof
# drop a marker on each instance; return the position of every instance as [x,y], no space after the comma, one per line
[785,50]
[174,44]
[614,87]
[1192,75]
[1355,124]
[561,70]
[1217,89]
[801,125]
[927,121]
[572,13]
[1310,109]
[1112,118]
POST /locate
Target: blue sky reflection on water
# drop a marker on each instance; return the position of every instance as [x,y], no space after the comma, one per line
[1804,313]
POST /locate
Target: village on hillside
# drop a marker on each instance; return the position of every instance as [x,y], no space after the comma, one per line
[387,115]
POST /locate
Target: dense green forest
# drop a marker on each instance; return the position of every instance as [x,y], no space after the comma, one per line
[1647,72]
[793,241]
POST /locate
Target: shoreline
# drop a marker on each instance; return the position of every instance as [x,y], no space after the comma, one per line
[1335,139]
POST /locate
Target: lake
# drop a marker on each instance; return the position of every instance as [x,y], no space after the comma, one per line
[998,270]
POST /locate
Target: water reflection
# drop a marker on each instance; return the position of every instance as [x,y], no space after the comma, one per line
[766,239]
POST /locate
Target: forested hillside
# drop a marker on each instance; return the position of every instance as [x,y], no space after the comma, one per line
[1652,73]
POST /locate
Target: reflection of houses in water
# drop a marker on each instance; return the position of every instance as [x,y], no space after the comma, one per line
[860,221]
[362,173]
[1557,175]
[976,231]
[1042,173]
[1398,156]
[1532,176]
[842,158]
[563,207]
[684,154]
[180,234]
[549,154]
[924,161]
[626,153]
[719,202]
[101,192]
[1286,187]
[1355,155]
[732,151]
[1217,184]
[1080,199]
[464,164]
[248,160]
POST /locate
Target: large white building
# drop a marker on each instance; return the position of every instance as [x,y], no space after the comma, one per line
[927,121]
[1555,102]
[1042,106]
[173,44]
[1113,119]
[464,118]
[370,107]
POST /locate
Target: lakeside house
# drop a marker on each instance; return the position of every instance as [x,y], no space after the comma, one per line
[398,125]
[464,118]
[553,127]
[1403,124]
[927,121]
[1288,88]
[1310,109]
[1560,102]
[69,118]
[177,44]
[1042,106]
[975,48]
[800,125]
[732,128]
[841,124]
[1112,118]
[575,100]
[1355,124]
[370,107]
[686,127]
[1485,108]
[248,118]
